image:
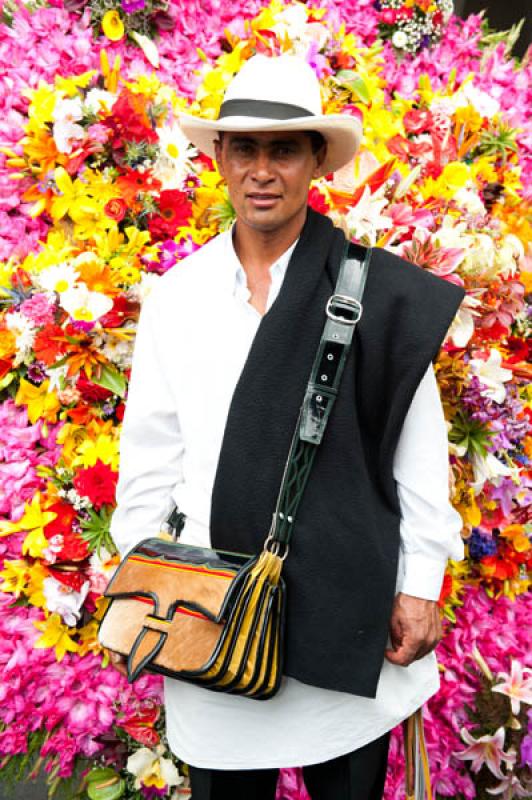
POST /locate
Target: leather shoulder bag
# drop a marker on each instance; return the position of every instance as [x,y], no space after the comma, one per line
[216,618]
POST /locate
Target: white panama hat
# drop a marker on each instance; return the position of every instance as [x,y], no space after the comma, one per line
[277,94]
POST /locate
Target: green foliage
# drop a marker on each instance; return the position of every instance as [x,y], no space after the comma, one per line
[471,434]
[349,79]
[96,530]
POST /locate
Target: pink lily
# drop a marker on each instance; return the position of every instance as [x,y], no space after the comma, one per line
[516,686]
[487,750]
[510,787]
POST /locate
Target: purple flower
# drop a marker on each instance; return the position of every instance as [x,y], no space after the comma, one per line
[526,751]
[481,545]
[131,6]
[36,373]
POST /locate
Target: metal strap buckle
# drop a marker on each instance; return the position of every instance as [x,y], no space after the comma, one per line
[343,300]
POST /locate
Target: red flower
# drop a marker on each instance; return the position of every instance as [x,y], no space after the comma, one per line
[91,392]
[446,589]
[116,209]
[62,524]
[417,120]
[133,183]
[69,575]
[122,310]
[317,201]
[388,16]
[129,122]
[50,343]
[98,483]
[174,212]
[74,548]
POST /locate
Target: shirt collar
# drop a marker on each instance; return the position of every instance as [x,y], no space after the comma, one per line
[235,273]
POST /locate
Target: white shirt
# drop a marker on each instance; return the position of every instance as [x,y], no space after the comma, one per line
[194,336]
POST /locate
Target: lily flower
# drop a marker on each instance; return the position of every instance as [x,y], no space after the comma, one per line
[487,750]
[516,686]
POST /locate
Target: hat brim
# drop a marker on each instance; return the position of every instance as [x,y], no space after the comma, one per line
[342,133]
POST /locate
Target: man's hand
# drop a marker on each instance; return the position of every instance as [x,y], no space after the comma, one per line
[415,629]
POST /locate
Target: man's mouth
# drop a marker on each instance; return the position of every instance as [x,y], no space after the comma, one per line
[263,199]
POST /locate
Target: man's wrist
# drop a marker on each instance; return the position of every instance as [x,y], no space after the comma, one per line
[421,576]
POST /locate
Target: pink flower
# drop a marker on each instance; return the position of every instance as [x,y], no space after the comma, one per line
[511,787]
[516,686]
[38,309]
[487,750]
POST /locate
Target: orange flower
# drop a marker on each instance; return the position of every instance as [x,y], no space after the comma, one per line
[84,356]
[41,151]
[98,277]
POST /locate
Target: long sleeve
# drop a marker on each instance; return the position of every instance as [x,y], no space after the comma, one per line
[151,444]
[430,527]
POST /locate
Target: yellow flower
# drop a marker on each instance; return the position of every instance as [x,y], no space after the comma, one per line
[103,448]
[33,521]
[40,401]
[56,635]
[73,199]
[70,86]
[516,534]
[136,240]
[455,175]
[42,104]
[112,26]
[34,589]
[88,639]
[15,575]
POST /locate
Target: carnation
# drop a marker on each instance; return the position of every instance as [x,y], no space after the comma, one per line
[97,483]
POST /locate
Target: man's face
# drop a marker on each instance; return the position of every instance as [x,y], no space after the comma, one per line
[268,175]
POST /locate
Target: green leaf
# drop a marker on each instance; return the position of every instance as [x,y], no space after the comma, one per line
[111,787]
[110,378]
[6,380]
[100,774]
[355,84]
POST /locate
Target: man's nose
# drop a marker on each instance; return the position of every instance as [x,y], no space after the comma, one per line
[262,167]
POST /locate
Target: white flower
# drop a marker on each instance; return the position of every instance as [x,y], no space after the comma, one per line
[140,291]
[67,135]
[399,39]
[488,468]
[491,375]
[58,278]
[63,600]
[291,22]
[148,47]
[173,164]
[68,110]
[365,219]
[508,255]
[84,305]
[66,131]
[150,769]
[485,104]
[117,350]
[469,199]
[24,331]
[97,99]
[463,325]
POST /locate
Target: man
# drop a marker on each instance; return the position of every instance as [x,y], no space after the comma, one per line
[223,353]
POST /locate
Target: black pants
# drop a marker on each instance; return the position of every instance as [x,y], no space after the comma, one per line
[359,775]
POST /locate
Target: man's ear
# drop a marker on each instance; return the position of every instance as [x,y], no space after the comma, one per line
[320,158]
[218,156]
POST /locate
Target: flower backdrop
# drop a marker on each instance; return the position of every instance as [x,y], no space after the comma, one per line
[100,194]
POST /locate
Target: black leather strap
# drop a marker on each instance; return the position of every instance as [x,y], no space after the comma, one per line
[344,309]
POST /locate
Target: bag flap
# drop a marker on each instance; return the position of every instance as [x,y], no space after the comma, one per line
[172,574]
